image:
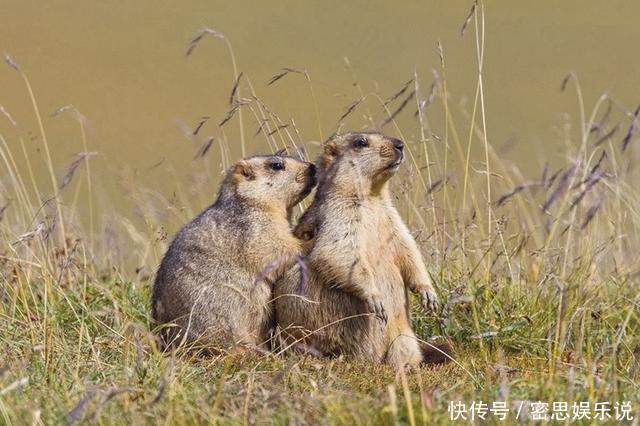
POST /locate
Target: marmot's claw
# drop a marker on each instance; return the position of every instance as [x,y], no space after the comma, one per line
[429,300]
[376,307]
[381,313]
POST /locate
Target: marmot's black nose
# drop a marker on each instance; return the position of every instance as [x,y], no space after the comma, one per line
[312,170]
[398,144]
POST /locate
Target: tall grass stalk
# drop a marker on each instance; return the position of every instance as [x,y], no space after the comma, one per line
[45,143]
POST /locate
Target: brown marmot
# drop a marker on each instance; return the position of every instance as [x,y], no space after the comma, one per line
[360,260]
[214,284]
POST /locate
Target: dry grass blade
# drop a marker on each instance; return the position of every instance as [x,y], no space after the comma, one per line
[201,123]
[398,93]
[593,172]
[277,129]
[280,375]
[206,32]
[68,261]
[308,350]
[560,188]
[591,212]
[11,62]
[424,103]
[545,173]
[440,52]
[589,186]
[61,110]
[8,116]
[69,108]
[565,81]
[28,236]
[398,110]
[517,189]
[435,185]
[263,123]
[234,90]
[156,165]
[285,71]
[546,183]
[139,352]
[71,169]
[161,390]
[636,360]
[2,210]
[76,413]
[229,115]
[632,129]
[296,71]
[234,108]
[605,117]
[467,21]
[204,148]
[277,77]
[164,382]
[607,136]
[350,108]
[596,167]
[116,391]
[108,395]
[18,384]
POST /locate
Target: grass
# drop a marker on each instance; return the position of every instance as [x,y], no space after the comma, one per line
[539,274]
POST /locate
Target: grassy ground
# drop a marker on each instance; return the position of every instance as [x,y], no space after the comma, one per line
[539,274]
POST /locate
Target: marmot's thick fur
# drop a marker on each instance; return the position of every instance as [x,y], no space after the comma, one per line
[214,284]
[361,260]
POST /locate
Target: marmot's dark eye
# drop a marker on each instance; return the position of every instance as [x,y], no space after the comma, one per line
[276,165]
[361,143]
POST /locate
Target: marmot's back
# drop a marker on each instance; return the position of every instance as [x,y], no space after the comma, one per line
[197,255]
[209,282]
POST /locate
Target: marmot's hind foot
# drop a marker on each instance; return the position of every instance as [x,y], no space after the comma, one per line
[440,353]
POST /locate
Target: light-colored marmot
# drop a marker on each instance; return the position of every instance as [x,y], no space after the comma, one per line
[214,284]
[352,298]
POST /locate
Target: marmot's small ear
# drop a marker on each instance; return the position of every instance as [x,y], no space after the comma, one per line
[245,169]
[329,154]
[330,149]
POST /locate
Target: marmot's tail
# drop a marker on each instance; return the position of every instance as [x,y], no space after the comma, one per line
[439,353]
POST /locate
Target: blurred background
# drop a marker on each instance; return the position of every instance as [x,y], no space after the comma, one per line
[123,66]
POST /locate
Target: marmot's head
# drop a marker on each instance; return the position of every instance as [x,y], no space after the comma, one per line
[271,181]
[372,156]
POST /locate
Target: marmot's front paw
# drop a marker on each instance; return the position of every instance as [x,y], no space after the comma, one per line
[375,306]
[429,300]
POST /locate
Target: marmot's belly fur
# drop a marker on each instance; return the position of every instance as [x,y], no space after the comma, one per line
[337,323]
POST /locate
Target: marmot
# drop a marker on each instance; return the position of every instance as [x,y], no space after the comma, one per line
[360,261]
[214,284]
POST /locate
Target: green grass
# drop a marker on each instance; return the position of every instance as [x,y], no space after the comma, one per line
[100,351]
[540,275]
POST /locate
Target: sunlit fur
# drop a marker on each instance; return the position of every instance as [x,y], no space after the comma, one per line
[361,260]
